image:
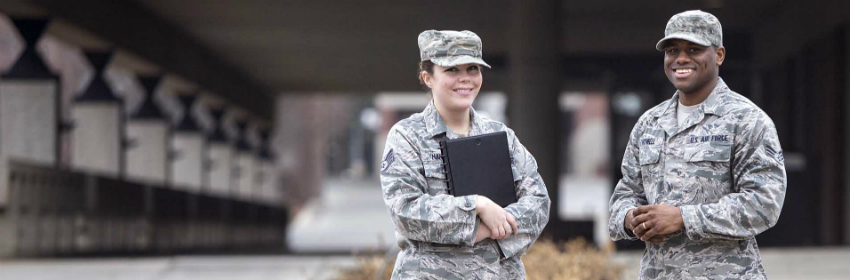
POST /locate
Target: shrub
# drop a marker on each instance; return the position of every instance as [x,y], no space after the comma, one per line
[545,260]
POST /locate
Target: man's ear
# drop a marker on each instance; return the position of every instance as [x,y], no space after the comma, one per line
[721,54]
[426,78]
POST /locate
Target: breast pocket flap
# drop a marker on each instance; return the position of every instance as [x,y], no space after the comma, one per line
[649,154]
[435,170]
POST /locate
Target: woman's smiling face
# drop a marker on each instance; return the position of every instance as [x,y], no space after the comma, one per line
[455,87]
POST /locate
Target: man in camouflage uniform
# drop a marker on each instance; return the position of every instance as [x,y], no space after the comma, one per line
[437,231]
[703,172]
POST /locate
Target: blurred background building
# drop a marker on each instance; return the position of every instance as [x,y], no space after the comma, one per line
[138,127]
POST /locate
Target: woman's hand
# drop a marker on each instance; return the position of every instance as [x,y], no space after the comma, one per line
[483,233]
[500,222]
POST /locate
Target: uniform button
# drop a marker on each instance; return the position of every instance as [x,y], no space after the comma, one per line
[468,204]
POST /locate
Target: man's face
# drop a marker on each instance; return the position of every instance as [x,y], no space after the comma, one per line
[691,67]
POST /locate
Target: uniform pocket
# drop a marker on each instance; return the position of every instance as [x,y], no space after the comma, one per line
[436,177]
[649,157]
[709,153]
[407,266]
[649,154]
[434,169]
[708,167]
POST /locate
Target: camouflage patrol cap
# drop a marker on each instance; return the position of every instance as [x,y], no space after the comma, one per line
[450,48]
[696,26]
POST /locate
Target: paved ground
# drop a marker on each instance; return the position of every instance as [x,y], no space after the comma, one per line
[350,217]
[178,268]
[356,209]
[781,264]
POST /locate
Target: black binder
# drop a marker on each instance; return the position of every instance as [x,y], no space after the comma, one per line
[480,165]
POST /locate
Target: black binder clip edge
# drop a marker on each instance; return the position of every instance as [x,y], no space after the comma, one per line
[446,167]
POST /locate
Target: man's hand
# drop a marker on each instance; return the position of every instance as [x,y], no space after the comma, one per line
[500,222]
[653,221]
[630,216]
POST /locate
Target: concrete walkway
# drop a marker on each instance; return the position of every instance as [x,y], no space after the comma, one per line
[350,216]
[781,264]
[178,268]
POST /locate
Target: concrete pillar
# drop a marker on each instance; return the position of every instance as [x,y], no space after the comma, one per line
[534,61]
[98,124]
[29,110]
[244,173]
[220,157]
[147,135]
[846,106]
[187,144]
[270,193]
[29,105]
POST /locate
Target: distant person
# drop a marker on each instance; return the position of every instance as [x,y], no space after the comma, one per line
[703,172]
[442,236]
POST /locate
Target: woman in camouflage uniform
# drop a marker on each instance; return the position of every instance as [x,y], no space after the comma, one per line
[442,236]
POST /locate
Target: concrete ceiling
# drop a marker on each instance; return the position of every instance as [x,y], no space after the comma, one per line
[364,47]
[345,46]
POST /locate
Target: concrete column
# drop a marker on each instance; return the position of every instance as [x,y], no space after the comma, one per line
[98,120]
[846,106]
[534,61]
[270,192]
[220,156]
[187,144]
[244,175]
[29,110]
[147,133]
[29,105]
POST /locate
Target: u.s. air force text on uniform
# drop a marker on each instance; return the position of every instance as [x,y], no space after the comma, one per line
[723,167]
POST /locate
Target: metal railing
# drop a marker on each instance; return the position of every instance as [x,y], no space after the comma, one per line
[54,212]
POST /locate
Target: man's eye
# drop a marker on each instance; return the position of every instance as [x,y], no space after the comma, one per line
[694,50]
[453,69]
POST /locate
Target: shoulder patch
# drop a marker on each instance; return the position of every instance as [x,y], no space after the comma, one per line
[387,160]
[774,153]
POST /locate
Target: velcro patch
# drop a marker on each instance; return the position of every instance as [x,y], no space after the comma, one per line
[772,152]
[708,138]
[387,160]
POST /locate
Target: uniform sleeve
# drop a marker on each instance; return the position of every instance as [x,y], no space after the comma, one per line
[629,192]
[417,215]
[531,210]
[758,172]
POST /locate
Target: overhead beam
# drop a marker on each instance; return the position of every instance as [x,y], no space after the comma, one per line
[133,27]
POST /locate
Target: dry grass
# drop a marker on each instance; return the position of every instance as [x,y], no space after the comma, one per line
[546,260]
[369,267]
[573,260]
